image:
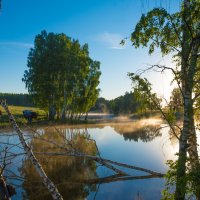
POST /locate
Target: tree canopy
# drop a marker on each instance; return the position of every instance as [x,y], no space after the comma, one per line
[61,76]
[177,34]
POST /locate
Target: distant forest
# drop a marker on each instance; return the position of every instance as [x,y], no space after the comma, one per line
[125,104]
[122,105]
[17,99]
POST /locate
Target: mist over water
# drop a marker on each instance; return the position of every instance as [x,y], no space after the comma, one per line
[140,143]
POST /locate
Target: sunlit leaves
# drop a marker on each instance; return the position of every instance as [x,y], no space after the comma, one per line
[61,74]
[170,117]
[156,30]
[143,93]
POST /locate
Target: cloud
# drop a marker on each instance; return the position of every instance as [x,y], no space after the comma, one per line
[17,44]
[112,40]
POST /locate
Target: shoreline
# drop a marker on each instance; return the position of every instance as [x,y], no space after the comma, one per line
[115,120]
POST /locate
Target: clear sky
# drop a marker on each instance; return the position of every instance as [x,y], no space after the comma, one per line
[100,23]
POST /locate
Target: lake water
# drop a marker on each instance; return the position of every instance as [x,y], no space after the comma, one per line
[133,143]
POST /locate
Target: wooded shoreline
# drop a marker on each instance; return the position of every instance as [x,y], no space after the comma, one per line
[98,120]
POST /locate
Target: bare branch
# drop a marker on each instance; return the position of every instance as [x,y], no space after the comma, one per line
[47,182]
[97,159]
[163,68]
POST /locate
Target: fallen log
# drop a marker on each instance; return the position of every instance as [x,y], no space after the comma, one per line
[46,181]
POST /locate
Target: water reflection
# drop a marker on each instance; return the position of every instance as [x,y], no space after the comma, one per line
[145,131]
[145,134]
[74,176]
[64,171]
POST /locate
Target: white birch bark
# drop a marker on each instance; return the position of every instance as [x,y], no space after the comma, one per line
[47,182]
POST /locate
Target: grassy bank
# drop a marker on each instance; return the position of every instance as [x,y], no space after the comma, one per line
[43,120]
[17,112]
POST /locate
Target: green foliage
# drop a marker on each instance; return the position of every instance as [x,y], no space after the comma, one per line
[157,26]
[177,34]
[61,76]
[170,116]
[102,105]
[160,29]
[124,105]
[176,100]
[170,177]
[147,100]
[191,177]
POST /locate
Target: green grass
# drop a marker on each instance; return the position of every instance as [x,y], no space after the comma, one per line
[146,114]
[17,112]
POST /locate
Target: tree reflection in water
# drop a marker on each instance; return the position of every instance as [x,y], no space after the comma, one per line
[70,158]
[145,133]
[64,171]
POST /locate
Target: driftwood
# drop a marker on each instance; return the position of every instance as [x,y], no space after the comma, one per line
[47,182]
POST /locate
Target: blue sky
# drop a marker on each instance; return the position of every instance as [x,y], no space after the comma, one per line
[100,23]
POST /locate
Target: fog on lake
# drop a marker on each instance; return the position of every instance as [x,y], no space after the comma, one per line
[138,143]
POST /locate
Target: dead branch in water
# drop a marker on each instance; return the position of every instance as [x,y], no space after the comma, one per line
[4,193]
[69,150]
[47,182]
[104,162]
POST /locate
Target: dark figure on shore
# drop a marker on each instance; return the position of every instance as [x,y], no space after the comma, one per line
[29,115]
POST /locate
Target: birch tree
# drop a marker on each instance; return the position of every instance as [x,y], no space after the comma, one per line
[177,34]
[59,71]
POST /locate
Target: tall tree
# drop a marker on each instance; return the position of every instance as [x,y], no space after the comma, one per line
[59,71]
[178,34]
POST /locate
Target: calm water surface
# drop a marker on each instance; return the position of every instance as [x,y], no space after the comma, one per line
[134,143]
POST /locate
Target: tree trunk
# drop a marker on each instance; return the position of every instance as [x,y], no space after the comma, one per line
[71,116]
[79,116]
[52,112]
[76,117]
[58,114]
[194,159]
[63,114]
[86,116]
[5,195]
[188,135]
[47,182]
[181,166]
[188,140]
[68,114]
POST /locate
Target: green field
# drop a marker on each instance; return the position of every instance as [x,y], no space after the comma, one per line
[17,112]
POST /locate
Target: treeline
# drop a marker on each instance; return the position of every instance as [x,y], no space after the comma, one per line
[125,104]
[122,105]
[17,99]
